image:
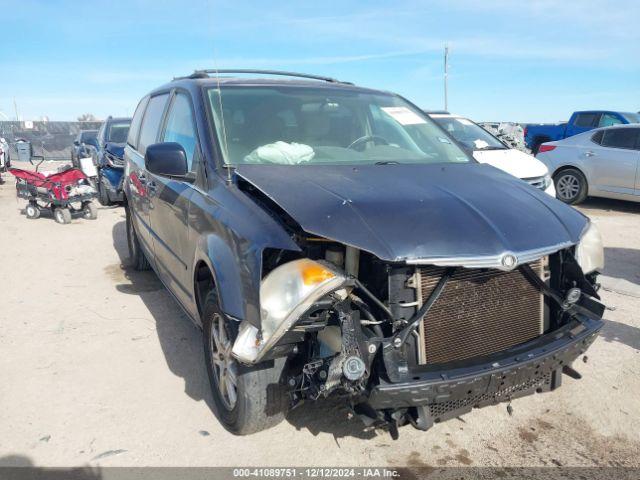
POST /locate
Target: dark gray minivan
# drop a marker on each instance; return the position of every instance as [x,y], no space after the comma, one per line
[332,240]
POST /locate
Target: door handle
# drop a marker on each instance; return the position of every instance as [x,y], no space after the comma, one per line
[152,187]
[589,153]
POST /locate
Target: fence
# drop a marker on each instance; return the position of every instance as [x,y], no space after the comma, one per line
[52,140]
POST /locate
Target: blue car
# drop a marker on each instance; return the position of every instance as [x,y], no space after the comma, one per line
[112,137]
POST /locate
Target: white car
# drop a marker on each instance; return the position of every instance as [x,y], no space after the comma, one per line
[604,162]
[486,148]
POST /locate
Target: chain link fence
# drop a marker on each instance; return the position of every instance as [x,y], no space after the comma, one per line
[51,140]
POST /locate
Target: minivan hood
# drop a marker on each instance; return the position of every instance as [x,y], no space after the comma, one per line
[411,212]
[116,149]
[513,161]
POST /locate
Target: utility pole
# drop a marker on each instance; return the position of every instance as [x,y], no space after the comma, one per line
[446,74]
[15,107]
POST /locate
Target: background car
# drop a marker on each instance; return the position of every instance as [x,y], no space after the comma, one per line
[580,122]
[599,163]
[83,142]
[108,156]
[486,148]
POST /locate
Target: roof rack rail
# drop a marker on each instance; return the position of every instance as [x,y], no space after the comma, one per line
[205,74]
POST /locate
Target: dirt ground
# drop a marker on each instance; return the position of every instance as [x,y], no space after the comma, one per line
[100,367]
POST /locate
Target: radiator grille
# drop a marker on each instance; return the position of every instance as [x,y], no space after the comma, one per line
[479,312]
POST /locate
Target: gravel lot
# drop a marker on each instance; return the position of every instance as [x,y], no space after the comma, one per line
[100,367]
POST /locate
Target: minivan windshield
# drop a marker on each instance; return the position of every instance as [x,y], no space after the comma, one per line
[469,134]
[301,125]
[118,131]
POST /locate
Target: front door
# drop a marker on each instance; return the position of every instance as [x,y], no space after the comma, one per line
[171,199]
[614,162]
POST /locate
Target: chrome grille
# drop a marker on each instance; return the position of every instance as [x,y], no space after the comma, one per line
[479,312]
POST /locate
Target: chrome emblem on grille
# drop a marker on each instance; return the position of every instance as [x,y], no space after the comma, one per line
[508,261]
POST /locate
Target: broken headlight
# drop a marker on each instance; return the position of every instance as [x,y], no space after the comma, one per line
[285,294]
[590,252]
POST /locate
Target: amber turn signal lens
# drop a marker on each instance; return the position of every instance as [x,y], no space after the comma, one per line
[313,274]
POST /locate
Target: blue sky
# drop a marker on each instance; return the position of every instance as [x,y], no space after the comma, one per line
[510,60]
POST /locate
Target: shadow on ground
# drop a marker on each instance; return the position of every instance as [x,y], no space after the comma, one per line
[181,343]
[19,467]
[613,331]
[610,205]
[622,263]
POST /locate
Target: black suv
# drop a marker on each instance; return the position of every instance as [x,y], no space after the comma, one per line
[333,240]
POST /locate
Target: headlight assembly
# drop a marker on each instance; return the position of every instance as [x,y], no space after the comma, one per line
[590,252]
[546,181]
[285,294]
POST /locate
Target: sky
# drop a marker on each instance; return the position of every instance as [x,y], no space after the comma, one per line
[527,61]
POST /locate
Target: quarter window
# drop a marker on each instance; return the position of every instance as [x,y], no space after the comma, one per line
[180,127]
[621,137]
[597,137]
[151,122]
[132,138]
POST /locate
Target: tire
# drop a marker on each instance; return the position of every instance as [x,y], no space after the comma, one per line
[103,195]
[32,211]
[89,211]
[62,215]
[260,399]
[571,186]
[136,255]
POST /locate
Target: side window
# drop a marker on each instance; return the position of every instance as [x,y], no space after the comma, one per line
[608,120]
[597,137]
[586,119]
[180,127]
[135,123]
[101,132]
[151,122]
[620,137]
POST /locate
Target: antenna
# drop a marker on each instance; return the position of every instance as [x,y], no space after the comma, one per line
[446,75]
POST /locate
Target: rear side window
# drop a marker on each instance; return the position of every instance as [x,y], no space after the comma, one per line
[621,138]
[151,122]
[135,123]
[586,119]
[608,120]
[180,128]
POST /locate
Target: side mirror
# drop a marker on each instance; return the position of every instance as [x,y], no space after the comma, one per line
[168,159]
[76,143]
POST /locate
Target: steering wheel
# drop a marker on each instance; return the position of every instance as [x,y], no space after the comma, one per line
[377,139]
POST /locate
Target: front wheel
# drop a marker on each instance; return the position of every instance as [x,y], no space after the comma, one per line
[247,399]
[32,211]
[90,211]
[62,215]
[103,195]
[571,186]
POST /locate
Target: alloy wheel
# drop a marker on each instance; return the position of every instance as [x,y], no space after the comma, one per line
[568,187]
[224,365]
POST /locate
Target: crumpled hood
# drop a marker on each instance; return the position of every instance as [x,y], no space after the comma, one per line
[116,149]
[513,161]
[403,212]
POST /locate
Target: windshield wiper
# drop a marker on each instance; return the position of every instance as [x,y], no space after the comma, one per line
[387,162]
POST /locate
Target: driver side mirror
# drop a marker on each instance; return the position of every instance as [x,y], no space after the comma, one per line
[167,159]
[76,143]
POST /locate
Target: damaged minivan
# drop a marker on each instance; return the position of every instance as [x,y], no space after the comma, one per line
[333,241]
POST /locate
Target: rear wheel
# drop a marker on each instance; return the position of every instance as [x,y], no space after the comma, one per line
[138,259]
[103,195]
[62,215]
[32,211]
[247,399]
[571,186]
[89,211]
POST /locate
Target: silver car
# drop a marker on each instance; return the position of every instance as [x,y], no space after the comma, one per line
[604,162]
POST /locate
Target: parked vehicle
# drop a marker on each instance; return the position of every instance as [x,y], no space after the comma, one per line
[65,193]
[537,134]
[487,148]
[601,163]
[332,240]
[108,157]
[5,161]
[83,145]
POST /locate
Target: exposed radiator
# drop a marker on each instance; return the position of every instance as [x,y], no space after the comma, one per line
[478,313]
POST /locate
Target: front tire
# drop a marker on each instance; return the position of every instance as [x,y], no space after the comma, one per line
[247,399]
[62,215]
[571,186]
[103,195]
[32,211]
[138,259]
[90,211]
